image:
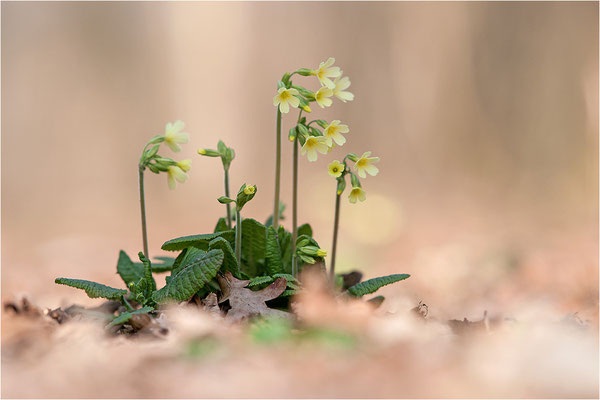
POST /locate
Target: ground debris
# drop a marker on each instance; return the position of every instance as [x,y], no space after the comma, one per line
[421,310]
[23,308]
[468,327]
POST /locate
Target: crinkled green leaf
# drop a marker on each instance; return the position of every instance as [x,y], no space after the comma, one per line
[191,254]
[305,229]
[150,285]
[128,270]
[126,316]
[372,285]
[288,277]
[191,276]
[285,243]
[274,262]
[221,225]
[163,264]
[259,280]
[287,293]
[93,289]
[229,262]
[198,241]
[254,237]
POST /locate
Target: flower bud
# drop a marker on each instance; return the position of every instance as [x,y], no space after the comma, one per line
[209,153]
[292,134]
[245,194]
[305,72]
[302,129]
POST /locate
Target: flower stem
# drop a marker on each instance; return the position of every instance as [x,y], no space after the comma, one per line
[227,195]
[143,211]
[277,171]
[295,209]
[295,204]
[127,305]
[336,224]
[238,237]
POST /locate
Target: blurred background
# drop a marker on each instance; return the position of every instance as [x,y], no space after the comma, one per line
[485,116]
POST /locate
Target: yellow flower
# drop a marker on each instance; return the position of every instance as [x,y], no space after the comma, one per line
[174,135]
[326,71]
[335,168]
[286,98]
[365,164]
[185,165]
[323,97]
[312,145]
[334,131]
[357,194]
[321,253]
[175,173]
[342,84]
[250,190]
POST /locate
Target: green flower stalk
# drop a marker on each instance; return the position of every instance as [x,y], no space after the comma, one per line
[339,170]
[312,139]
[277,170]
[227,155]
[176,170]
[245,194]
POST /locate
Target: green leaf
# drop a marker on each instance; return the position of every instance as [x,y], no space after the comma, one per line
[287,293]
[253,244]
[259,280]
[274,263]
[126,316]
[150,282]
[225,200]
[191,254]
[165,264]
[93,289]
[199,241]
[372,285]
[305,229]
[221,225]
[128,270]
[229,262]
[191,277]
[285,243]
[288,277]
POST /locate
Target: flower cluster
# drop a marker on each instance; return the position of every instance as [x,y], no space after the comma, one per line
[323,137]
[363,165]
[176,170]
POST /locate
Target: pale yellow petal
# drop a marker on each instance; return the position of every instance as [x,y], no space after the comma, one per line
[339,138]
[371,169]
[171,182]
[294,101]
[284,107]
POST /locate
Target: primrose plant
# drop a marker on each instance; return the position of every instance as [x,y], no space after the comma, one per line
[243,255]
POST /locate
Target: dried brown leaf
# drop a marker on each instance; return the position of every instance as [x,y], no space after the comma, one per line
[245,302]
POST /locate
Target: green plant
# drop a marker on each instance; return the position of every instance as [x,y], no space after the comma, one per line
[244,258]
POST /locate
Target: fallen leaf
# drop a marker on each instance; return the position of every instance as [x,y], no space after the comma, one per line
[351,279]
[245,302]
